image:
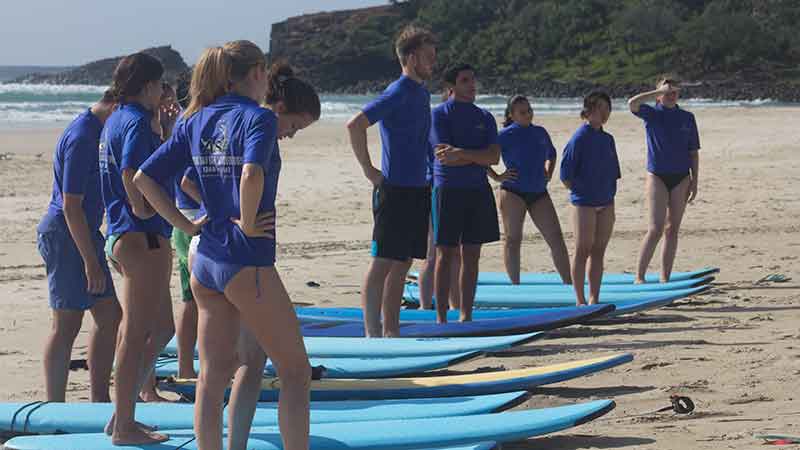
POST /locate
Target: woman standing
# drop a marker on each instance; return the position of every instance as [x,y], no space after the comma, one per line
[672,170]
[137,242]
[590,170]
[71,245]
[232,142]
[530,159]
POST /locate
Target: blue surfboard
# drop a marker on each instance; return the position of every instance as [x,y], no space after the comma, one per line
[52,418]
[330,347]
[608,278]
[377,367]
[493,298]
[431,386]
[408,434]
[428,315]
[489,327]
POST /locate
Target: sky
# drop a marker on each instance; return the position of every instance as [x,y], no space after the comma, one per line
[66,33]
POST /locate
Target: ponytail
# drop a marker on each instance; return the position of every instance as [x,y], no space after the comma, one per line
[297,96]
[217,70]
[210,79]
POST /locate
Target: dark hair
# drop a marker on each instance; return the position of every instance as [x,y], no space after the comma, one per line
[411,39]
[451,74]
[590,102]
[297,96]
[132,74]
[513,101]
[667,78]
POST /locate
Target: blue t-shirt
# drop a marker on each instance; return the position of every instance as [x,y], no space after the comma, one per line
[218,140]
[590,162]
[182,199]
[75,171]
[525,149]
[671,136]
[404,113]
[126,142]
[462,125]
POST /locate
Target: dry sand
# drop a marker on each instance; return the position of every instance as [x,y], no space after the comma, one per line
[735,351]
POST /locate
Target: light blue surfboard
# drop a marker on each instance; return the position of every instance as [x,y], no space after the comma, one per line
[431,386]
[379,435]
[350,367]
[334,347]
[423,315]
[493,298]
[52,418]
[608,278]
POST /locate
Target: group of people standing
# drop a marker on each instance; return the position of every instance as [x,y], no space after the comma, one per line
[204,174]
[432,199]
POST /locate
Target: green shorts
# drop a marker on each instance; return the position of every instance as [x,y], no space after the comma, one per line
[180,242]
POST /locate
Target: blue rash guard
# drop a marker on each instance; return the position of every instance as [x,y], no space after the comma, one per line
[76,171]
[218,140]
[462,125]
[126,142]
[590,162]
[671,138]
[404,113]
[525,149]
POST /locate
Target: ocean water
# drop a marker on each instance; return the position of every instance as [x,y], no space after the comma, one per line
[45,106]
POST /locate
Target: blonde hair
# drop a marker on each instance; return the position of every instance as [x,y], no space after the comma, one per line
[667,78]
[411,39]
[217,70]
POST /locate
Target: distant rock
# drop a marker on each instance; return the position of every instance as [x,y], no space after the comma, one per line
[99,73]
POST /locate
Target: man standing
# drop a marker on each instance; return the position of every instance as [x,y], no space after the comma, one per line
[464,211]
[401,197]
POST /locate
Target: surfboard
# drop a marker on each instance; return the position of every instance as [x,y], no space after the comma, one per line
[428,315]
[608,278]
[493,298]
[407,434]
[51,418]
[432,386]
[331,347]
[489,327]
[366,367]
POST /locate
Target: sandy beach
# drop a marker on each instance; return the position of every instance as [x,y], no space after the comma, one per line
[735,350]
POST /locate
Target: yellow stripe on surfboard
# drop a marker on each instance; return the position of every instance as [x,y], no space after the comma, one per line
[419,382]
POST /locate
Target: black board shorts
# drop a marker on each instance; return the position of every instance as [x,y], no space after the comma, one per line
[464,216]
[401,215]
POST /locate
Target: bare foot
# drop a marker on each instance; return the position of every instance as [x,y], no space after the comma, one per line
[639,281]
[109,429]
[593,301]
[137,437]
[152,397]
[580,303]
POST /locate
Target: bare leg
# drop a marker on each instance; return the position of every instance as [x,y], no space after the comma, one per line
[585,223]
[455,279]
[162,333]
[143,271]
[657,200]
[66,324]
[426,275]
[470,258]
[102,344]
[512,208]
[544,216]
[218,331]
[444,258]
[604,228]
[372,295]
[393,297]
[187,339]
[246,390]
[274,324]
[675,210]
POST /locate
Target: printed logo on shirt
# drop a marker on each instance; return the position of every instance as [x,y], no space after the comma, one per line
[214,160]
[106,157]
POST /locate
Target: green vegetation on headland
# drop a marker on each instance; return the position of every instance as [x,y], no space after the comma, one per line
[737,49]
